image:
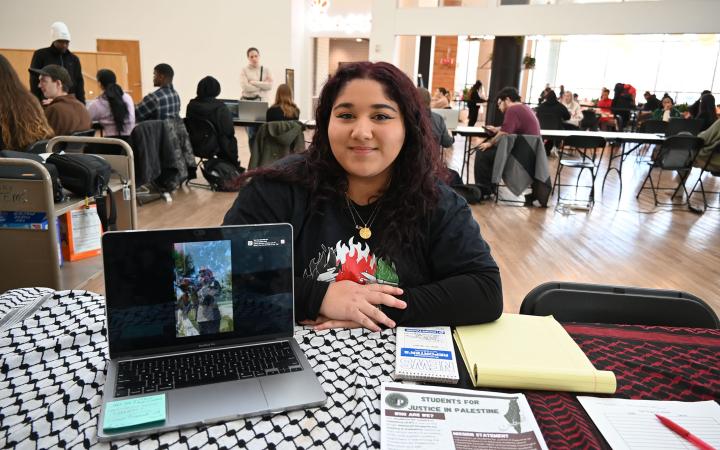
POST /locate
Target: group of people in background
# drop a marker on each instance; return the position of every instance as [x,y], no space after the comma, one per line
[55,103]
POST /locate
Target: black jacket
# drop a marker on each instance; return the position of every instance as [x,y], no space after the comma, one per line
[450,278]
[68,60]
[217,113]
[555,109]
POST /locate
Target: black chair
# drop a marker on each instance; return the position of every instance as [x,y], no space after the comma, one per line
[705,169]
[651,126]
[590,151]
[677,126]
[38,147]
[677,153]
[594,303]
[85,133]
[204,141]
[550,121]
[590,120]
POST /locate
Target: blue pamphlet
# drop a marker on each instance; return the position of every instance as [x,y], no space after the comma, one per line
[121,414]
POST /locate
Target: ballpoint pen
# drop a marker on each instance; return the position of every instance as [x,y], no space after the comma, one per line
[685,434]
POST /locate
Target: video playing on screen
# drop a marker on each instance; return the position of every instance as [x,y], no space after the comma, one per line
[203,288]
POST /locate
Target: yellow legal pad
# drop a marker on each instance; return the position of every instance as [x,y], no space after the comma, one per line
[529,352]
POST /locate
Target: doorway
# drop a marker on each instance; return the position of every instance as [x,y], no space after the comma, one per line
[131,49]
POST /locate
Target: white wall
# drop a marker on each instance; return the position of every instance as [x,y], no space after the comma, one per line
[195,38]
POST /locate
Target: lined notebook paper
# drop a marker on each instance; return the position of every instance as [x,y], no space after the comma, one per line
[425,354]
[632,425]
[529,352]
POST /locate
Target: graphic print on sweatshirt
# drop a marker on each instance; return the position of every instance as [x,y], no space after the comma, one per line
[352,261]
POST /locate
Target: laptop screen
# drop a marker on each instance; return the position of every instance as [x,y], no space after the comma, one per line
[170,290]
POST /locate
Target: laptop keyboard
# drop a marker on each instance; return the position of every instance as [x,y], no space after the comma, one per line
[208,367]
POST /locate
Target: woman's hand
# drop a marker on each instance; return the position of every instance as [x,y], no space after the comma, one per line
[323,323]
[350,304]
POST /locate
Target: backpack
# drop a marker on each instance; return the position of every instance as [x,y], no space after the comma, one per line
[220,174]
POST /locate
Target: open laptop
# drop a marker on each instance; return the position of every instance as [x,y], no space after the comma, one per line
[251,111]
[451,117]
[232,105]
[204,316]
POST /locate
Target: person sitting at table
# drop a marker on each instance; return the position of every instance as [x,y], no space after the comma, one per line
[573,108]
[518,118]
[206,106]
[668,110]
[65,113]
[379,240]
[113,109]
[441,99]
[607,118]
[711,138]
[437,122]
[22,121]
[694,109]
[552,108]
[284,108]
[707,114]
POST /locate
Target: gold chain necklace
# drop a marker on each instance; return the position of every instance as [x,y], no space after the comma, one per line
[364,230]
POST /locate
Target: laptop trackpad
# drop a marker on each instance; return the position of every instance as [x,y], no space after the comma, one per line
[216,401]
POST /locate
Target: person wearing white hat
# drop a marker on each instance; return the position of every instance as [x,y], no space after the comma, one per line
[58,53]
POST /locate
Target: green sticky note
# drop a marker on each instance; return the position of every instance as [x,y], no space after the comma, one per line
[133,412]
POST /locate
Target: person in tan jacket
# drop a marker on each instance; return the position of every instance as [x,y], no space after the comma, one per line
[65,113]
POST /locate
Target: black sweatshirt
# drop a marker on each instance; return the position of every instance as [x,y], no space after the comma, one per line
[68,60]
[451,280]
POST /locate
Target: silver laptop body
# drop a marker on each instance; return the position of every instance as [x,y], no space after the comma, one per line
[253,264]
[252,111]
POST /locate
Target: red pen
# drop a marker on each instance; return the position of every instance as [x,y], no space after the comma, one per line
[685,434]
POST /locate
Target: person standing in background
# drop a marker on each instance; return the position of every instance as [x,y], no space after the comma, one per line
[256,82]
[58,53]
[255,79]
[477,96]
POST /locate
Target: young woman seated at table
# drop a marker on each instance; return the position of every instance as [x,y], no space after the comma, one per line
[114,108]
[441,99]
[380,240]
[607,118]
[667,112]
[284,107]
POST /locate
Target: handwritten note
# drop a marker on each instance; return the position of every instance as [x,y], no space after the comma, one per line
[134,411]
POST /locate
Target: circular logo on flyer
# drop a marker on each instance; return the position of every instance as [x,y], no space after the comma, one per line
[396,401]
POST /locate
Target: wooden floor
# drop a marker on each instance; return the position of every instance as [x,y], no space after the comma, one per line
[626,242]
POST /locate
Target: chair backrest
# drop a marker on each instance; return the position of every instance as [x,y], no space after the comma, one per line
[38,147]
[653,126]
[677,126]
[588,142]
[593,303]
[549,121]
[678,152]
[203,137]
[590,120]
[84,133]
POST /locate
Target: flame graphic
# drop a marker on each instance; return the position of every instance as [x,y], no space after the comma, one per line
[354,259]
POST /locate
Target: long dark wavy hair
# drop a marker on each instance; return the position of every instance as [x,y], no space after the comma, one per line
[22,121]
[114,95]
[413,190]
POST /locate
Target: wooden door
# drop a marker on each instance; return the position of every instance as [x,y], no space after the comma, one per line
[131,49]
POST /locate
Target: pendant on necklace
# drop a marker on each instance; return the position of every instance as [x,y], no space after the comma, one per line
[365,233]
